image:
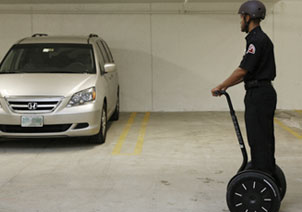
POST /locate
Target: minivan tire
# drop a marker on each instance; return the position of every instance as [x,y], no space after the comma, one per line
[116,115]
[100,138]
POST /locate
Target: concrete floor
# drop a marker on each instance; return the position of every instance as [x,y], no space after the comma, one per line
[185,164]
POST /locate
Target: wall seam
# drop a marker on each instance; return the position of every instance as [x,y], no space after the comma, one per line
[32,20]
[273,13]
[151,55]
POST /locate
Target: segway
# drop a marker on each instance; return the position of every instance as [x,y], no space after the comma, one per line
[253,190]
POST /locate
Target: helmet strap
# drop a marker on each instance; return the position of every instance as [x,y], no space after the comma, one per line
[246,24]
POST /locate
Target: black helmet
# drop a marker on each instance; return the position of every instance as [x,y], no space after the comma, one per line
[254,8]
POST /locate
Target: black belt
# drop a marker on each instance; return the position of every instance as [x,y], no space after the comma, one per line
[256,84]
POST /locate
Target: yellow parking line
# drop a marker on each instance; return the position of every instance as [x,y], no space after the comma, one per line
[140,141]
[288,129]
[298,111]
[121,140]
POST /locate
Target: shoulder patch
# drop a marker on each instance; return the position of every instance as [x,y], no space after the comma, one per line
[251,49]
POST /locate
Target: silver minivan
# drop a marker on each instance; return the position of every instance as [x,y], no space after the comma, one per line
[56,86]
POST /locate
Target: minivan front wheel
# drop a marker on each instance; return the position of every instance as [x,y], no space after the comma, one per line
[101,136]
[115,116]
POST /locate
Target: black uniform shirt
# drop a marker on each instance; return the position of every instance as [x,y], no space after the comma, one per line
[259,59]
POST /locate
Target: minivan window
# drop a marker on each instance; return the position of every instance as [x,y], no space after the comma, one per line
[104,53]
[108,51]
[101,59]
[49,58]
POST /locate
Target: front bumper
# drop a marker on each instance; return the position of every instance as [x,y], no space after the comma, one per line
[67,120]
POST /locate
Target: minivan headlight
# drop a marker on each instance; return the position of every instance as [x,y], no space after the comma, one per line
[82,97]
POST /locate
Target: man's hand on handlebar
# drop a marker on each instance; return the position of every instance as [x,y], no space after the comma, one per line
[218,91]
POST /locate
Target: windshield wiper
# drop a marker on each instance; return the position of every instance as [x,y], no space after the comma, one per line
[51,72]
[13,72]
[69,72]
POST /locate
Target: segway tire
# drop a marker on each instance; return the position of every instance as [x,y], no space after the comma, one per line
[253,191]
[279,179]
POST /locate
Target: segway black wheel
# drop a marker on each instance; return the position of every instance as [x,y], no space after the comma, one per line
[251,191]
[279,179]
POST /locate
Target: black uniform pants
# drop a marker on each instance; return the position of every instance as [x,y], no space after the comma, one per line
[260,105]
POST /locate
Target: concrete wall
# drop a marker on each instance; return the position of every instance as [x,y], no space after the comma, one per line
[170,55]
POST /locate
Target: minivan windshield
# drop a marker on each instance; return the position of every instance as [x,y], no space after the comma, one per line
[49,58]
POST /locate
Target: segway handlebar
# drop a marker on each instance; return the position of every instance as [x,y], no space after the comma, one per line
[237,128]
[222,92]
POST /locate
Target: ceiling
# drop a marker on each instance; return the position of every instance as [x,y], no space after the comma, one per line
[112,1]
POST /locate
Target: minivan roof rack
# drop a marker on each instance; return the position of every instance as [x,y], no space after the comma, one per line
[93,36]
[39,35]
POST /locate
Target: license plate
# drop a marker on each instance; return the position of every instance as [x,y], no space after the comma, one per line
[32,121]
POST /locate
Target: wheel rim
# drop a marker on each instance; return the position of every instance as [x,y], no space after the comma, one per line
[279,178]
[104,122]
[253,195]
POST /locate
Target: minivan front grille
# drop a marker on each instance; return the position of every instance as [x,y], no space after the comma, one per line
[33,104]
[45,129]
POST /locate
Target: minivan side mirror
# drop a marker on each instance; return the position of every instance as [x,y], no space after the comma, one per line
[109,67]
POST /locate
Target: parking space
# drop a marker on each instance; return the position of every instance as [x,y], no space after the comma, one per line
[151,162]
[151,67]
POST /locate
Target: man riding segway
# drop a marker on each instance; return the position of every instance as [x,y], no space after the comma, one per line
[257,69]
[250,187]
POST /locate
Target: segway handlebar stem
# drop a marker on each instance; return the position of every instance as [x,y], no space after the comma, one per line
[237,129]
